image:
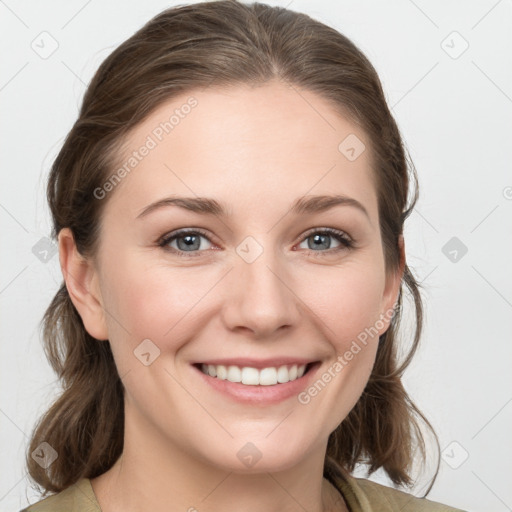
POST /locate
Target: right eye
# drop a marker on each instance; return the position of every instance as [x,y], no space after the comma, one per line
[187,241]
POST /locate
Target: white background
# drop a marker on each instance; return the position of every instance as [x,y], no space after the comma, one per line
[455,116]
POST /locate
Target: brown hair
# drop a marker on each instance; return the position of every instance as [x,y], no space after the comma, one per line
[185,47]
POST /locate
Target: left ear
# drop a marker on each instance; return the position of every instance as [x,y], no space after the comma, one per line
[392,288]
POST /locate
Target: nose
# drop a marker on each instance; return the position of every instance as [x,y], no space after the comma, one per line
[260,297]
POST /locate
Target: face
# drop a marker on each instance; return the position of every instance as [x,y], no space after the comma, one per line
[262,280]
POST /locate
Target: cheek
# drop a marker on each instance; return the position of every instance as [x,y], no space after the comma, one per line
[156,302]
[347,304]
[347,300]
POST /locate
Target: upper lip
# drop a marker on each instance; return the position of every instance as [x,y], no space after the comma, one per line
[258,363]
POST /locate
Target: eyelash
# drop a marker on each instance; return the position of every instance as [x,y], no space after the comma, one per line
[343,238]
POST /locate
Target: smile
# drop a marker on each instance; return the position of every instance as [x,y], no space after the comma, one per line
[257,382]
[250,376]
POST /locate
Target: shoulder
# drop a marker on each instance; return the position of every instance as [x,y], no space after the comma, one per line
[78,497]
[379,495]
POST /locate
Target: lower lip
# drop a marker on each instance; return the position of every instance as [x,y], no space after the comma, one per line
[264,395]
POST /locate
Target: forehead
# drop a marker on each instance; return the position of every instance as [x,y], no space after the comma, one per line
[255,144]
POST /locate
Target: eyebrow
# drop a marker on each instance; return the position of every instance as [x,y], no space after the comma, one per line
[207,206]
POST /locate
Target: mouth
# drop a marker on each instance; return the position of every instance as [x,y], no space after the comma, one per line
[257,374]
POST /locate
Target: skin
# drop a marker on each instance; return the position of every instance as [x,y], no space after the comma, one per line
[256,149]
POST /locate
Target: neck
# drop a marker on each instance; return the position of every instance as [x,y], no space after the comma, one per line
[155,474]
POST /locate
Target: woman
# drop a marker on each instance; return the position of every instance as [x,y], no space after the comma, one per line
[229,208]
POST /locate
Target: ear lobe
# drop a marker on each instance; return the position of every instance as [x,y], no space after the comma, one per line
[392,289]
[82,284]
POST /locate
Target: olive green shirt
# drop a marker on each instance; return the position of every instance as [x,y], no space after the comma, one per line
[360,496]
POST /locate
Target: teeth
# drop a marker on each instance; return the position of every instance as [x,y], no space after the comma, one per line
[254,377]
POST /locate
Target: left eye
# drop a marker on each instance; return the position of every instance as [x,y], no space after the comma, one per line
[321,240]
[190,241]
